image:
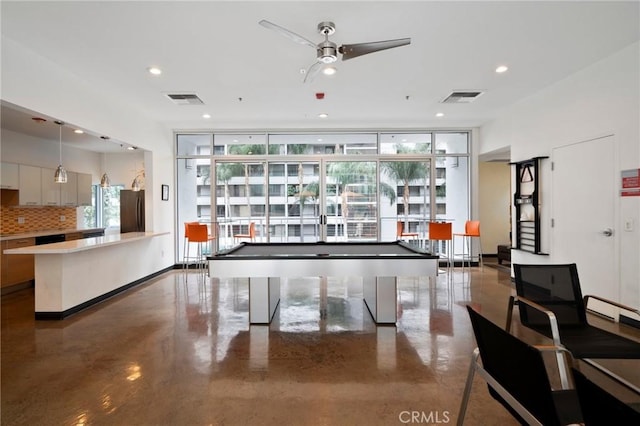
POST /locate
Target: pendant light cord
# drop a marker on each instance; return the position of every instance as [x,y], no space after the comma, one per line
[60,139]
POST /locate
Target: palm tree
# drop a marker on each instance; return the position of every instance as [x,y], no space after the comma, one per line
[405,172]
[247,150]
[345,173]
[299,149]
[224,173]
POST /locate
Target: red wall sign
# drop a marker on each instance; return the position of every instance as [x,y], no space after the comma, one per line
[630,183]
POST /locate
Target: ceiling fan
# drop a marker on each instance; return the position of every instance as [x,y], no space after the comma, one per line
[327,51]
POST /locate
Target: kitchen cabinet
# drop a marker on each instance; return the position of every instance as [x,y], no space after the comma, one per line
[50,189]
[70,236]
[30,185]
[10,178]
[69,190]
[84,189]
[17,268]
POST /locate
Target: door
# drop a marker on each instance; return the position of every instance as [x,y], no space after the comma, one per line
[351,201]
[583,203]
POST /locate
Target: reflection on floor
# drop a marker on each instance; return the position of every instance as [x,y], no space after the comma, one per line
[179,350]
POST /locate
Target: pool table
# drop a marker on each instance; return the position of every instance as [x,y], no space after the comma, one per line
[378,263]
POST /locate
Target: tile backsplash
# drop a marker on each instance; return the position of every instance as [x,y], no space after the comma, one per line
[36,219]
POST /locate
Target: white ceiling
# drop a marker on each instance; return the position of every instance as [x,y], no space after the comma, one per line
[218,51]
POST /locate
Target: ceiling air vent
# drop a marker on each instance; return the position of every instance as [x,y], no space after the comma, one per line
[184,98]
[461,97]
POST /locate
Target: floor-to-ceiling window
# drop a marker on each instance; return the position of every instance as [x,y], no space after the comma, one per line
[336,186]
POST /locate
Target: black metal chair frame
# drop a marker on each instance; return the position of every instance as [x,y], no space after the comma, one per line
[555,328]
[534,362]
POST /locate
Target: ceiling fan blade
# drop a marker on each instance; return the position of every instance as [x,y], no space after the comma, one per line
[350,51]
[312,72]
[289,34]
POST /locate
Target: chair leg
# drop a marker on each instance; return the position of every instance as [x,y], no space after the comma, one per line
[467,387]
[512,301]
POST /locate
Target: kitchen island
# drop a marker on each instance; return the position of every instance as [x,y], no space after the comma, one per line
[73,275]
[18,272]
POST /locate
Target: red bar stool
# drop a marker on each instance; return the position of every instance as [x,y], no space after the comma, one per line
[400,234]
[471,230]
[251,235]
[441,231]
[199,233]
[185,244]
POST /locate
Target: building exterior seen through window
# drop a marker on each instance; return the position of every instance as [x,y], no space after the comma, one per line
[330,186]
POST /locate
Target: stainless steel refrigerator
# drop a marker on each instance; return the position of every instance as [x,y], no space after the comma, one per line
[131,211]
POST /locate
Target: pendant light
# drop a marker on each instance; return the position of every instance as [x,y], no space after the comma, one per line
[61,174]
[135,185]
[105,182]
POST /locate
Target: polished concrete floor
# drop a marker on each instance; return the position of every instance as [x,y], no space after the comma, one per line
[179,350]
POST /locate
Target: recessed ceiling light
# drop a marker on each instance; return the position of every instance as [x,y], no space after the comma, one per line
[329,70]
[440,114]
[205,115]
[154,70]
[78,131]
[319,139]
[323,115]
[501,69]
[404,140]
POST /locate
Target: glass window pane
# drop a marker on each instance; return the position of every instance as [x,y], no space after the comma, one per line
[409,200]
[321,144]
[355,207]
[111,206]
[453,204]
[402,143]
[240,144]
[241,190]
[452,143]
[90,213]
[297,205]
[193,144]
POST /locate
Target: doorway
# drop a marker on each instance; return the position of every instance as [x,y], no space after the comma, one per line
[583,212]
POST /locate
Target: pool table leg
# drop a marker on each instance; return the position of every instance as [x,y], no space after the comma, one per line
[264,297]
[380,297]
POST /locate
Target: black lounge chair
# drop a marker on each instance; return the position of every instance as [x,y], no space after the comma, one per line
[517,377]
[601,408]
[550,302]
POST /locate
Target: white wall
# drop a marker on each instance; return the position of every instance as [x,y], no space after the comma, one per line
[40,85]
[494,199]
[23,149]
[599,100]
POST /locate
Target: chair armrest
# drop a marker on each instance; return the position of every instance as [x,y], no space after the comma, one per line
[553,322]
[610,302]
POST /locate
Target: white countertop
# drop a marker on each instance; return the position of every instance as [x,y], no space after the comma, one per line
[84,244]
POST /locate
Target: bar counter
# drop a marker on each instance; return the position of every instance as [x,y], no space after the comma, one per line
[73,275]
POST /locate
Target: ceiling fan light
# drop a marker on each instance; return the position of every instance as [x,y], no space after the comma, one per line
[60,176]
[328,59]
[329,70]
